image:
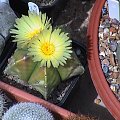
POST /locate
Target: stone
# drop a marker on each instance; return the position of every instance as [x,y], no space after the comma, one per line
[115,21]
[109,50]
[118,53]
[105,62]
[118,80]
[7,18]
[113,45]
[113,88]
[104,11]
[113,29]
[105,69]
[112,61]
[115,75]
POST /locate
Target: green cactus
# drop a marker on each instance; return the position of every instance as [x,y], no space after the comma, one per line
[3,99]
[71,68]
[43,56]
[20,65]
[43,79]
[27,111]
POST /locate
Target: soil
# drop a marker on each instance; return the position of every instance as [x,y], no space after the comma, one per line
[43,2]
[59,94]
[75,18]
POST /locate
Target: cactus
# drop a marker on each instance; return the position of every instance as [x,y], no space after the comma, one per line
[23,68]
[27,111]
[71,68]
[42,58]
[3,99]
[2,102]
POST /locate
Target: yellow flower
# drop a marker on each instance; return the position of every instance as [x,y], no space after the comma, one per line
[28,27]
[51,48]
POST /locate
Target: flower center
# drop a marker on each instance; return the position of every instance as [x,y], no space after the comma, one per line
[33,33]
[48,48]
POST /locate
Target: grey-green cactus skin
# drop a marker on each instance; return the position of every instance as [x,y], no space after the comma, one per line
[22,69]
[72,68]
[27,111]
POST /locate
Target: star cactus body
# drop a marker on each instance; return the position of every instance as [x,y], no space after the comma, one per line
[43,56]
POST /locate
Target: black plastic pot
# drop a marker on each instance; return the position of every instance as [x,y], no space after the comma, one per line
[21,7]
[7,52]
[70,84]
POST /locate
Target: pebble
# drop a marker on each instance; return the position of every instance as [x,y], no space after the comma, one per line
[112,60]
[118,53]
[7,18]
[109,50]
[113,45]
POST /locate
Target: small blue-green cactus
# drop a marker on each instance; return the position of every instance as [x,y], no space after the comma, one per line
[27,111]
[2,104]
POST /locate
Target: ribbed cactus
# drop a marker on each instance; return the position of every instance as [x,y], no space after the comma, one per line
[2,104]
[43,79]
[43,56]
[27,111]
[23,68]
[71,68]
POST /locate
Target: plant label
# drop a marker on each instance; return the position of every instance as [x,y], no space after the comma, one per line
[33,7]
[114,9]
[4,1]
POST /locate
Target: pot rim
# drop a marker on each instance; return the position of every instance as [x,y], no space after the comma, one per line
[22,96]
[94,65]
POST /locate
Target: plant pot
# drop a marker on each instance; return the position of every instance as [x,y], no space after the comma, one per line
[21,7]
[96,72]
[68,86]
[6,52]
[21,96]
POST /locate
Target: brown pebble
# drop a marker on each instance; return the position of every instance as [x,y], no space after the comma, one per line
[113,88]
[105,62]
[112,37]
[103,45]
[112,61]
[115,75]
[102,49]
[118,79]
[97,101]
[113,30]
